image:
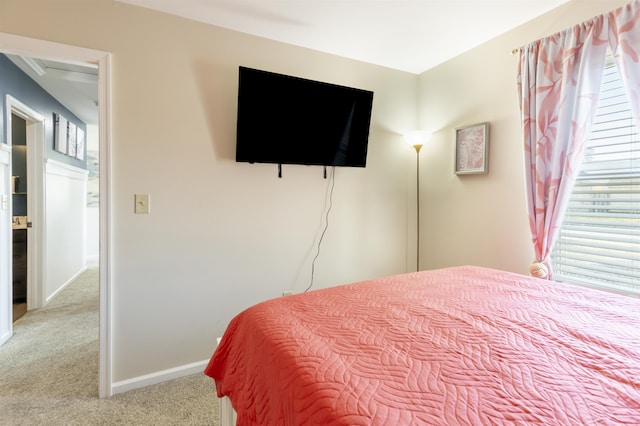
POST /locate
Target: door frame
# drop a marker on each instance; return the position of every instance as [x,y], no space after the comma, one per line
[25,46]
[6,244]
[36,280]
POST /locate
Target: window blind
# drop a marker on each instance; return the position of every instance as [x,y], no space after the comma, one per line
[599,241]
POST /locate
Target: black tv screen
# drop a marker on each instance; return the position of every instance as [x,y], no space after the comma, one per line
[290,120]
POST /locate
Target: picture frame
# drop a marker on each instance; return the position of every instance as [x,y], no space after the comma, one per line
[60,134]
[472,149]
[79,143]
[72,147]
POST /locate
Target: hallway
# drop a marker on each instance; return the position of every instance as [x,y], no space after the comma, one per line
[49,373]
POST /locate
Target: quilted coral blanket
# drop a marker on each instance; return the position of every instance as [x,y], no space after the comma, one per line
[463,345]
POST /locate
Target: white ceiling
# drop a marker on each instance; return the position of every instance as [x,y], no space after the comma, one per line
[74,86]
[408,35]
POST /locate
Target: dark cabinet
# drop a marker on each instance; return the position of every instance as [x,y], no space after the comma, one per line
[19,265]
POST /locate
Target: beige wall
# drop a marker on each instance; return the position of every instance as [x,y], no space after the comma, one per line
[482,219]
[221,235]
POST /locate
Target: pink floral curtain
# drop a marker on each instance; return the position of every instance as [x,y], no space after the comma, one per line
[624,40]
[559,82]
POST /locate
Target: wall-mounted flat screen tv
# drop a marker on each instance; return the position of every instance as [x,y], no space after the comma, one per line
[290,120]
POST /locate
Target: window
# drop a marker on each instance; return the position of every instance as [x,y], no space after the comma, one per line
[599,241]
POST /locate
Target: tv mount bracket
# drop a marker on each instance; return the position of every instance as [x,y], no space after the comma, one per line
[280,170]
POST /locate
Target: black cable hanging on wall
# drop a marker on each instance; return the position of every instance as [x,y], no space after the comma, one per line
[326,225]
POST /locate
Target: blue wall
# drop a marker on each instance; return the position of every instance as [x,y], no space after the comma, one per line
[19,85]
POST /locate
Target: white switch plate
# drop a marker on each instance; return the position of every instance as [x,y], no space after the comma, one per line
[142,204]
[5,202]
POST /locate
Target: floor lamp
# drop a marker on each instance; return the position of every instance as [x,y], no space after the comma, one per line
[417,139]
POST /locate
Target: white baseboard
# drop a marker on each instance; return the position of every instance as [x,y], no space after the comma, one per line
[158,377]
[4,337]
[63,286]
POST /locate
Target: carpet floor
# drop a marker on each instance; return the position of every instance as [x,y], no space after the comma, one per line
[49,373]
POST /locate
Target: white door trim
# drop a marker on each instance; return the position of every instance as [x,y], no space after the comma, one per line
[13,44]
[6,243]
[36,280]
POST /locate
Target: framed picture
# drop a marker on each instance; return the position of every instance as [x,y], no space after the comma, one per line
[60,133]
[72,147]
[79,143]
[472,149]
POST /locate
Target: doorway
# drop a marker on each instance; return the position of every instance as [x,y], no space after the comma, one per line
[19,228]
[19,45]
[27,195]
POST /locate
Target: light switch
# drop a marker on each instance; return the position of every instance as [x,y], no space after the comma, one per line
[5,202]
[142,204]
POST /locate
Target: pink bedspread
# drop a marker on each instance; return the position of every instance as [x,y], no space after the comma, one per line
[455,346]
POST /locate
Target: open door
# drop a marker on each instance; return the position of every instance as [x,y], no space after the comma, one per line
[6,294]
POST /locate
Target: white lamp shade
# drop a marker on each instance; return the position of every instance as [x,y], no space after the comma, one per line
[417,137]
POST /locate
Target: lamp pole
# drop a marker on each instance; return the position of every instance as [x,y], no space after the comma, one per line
[416,139]
[417,147]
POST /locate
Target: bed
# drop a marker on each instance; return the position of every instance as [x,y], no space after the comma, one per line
[454,346]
